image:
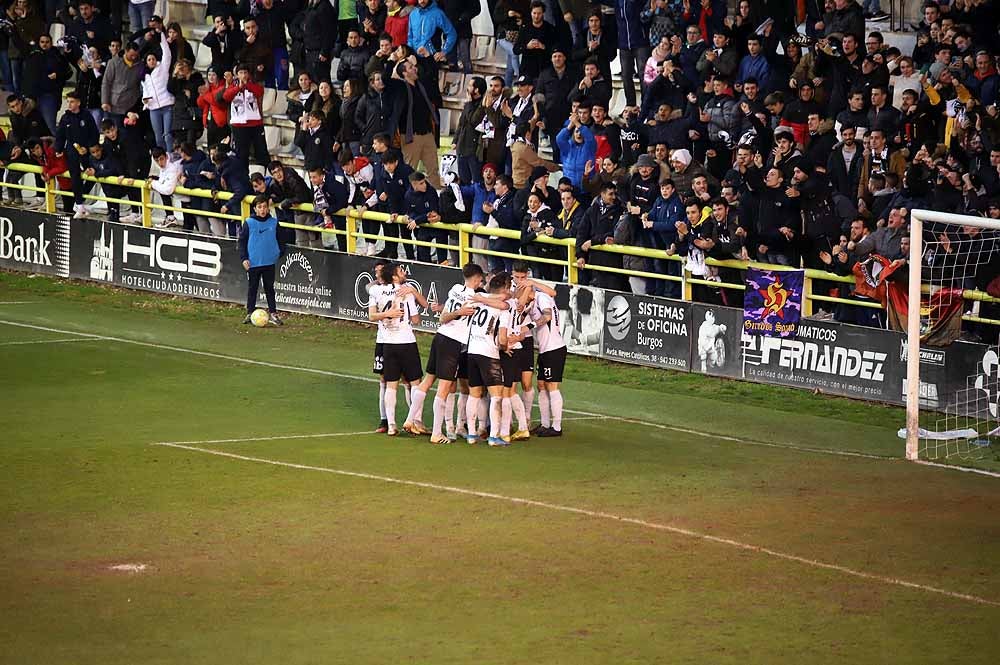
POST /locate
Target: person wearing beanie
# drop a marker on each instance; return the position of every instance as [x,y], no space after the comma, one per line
[260,249]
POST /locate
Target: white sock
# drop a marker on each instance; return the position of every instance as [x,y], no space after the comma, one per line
[528,399]
[496,416]
[556,401]
[471,409]
[449,413]
[416,413]
[518,405]
[439,407]
[463,400]
[505,416]
[406,394]
[543,407]
[390,406]
[483,412]
[381,400]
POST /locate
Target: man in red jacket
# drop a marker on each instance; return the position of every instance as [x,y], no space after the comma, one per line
[246,118]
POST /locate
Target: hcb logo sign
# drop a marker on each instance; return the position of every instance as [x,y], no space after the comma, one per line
[176,254]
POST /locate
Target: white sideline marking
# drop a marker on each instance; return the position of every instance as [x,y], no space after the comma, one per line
[19,302]
[47,341]
[634,421]
[603,515]
[128,567]
[265,438]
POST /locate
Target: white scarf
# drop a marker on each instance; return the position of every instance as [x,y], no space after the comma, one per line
[449,181]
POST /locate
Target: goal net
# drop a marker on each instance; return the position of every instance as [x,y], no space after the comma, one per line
[949,255]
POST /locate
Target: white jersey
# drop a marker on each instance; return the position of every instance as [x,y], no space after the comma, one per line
[549,334]
[393,331]
[457,329]
[517,320]
[484,331]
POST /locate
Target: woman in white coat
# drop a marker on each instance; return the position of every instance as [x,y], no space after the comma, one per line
[155,96]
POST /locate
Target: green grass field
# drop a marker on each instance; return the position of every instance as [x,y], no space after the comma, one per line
[697,520]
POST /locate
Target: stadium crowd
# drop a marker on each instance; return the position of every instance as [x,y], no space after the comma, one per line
[741,134]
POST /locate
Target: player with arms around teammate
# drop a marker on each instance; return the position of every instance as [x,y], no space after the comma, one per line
[393,305]
[551,362]
[487,337]
[447,349]
[523,284]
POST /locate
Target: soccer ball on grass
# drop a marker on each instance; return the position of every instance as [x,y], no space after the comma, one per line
[259,318]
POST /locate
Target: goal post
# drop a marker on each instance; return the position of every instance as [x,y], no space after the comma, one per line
[938,264]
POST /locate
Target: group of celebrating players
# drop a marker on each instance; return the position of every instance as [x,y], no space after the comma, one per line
[484,347]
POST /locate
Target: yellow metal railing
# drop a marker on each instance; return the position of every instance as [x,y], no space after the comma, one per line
[465,248]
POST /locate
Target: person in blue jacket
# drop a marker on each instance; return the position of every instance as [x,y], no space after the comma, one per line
[260,249]
[426,19]
[662,219]
[577,146]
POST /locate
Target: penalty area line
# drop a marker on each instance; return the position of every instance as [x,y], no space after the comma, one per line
[597,514]
[47,341]
[634,421]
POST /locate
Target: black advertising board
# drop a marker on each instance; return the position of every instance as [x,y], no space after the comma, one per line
[830,357]
[149,259]
[352,275]
[959,379]
[303,281]
[34,242]
[647,331]
[716,340]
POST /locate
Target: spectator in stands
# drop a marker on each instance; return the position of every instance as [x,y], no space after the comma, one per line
[155,95]
[225,41]
[772,217]
[509,16]
[461,13]
[327,102]
[90,28]
[166,182]
[245,118]
[272,18]
[195,164]
[215,112]
[319,38]
[45,73]
[422,206]
[139,13]
[230,176]
[502,215]
[349,135]
[381,59]
[491,123]
[524,156]
[186,124]
[27,27]
[75,133]
[373,114]
[371,20]
[577,146]
[555,84]
[598,228]
[289,189]
[424,22]
[417,121]
[397,21]
[754,65]
[593,86]
[315,142]
[535,41]
[595,44]
[329,197]
[53,166]
[392,182]
[719,60]
[353,59]
[255,53]
[466,140]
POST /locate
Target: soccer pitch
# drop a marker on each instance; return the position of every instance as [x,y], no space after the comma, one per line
[680,519]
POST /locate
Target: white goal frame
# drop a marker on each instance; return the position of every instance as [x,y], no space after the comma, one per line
[917,219]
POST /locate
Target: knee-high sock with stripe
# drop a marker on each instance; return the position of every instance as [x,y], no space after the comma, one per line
[390,405]
[496,415]
[417,397]
[556,403]
[543,408]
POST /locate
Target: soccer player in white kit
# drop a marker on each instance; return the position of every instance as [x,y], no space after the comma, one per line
[551,362]
[526,355]
[487,337]
[393,305]
[448,351]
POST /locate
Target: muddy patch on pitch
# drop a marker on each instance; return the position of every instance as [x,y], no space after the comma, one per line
[129,568]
